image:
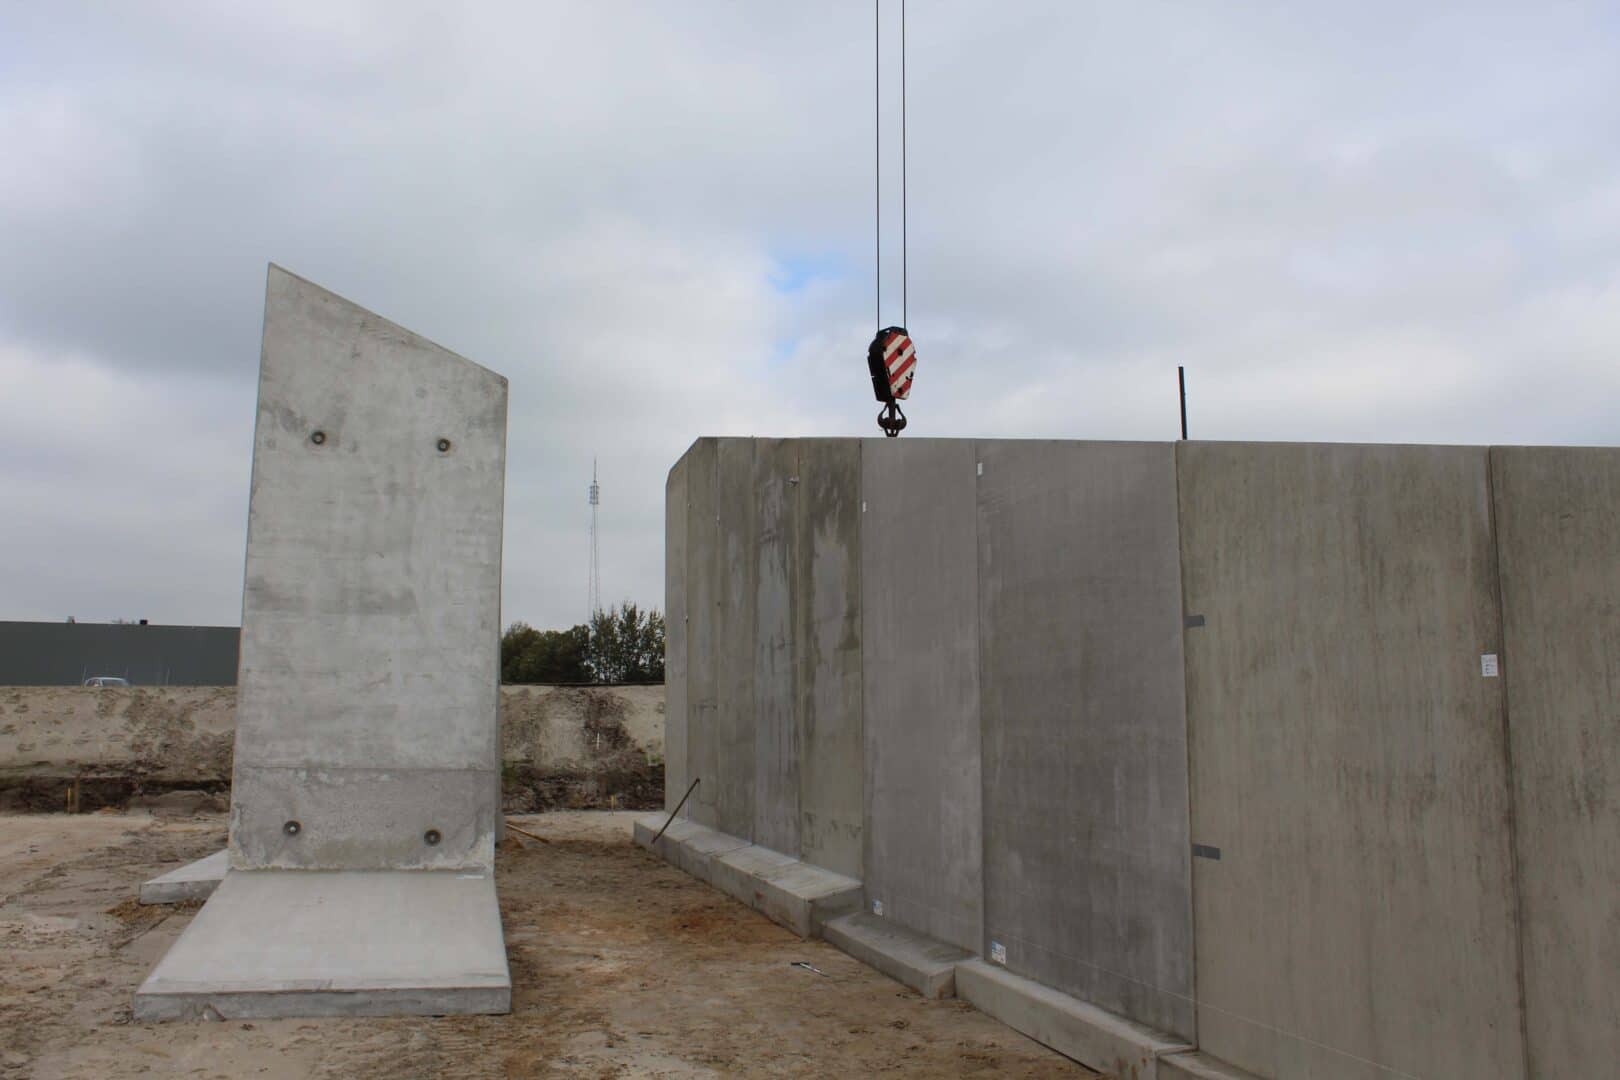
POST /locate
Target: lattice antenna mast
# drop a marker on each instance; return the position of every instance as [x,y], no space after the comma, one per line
[595,585]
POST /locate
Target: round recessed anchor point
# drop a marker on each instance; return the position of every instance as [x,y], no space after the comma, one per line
[444,446]
[431,836]
[318,438]
[292,828]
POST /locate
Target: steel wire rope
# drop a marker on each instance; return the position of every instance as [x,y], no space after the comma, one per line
[877,169]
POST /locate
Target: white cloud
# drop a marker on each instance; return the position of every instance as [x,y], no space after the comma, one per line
[124,496]
[1375,223]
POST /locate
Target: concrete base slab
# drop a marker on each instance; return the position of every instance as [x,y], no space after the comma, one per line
[1200,1067]
[280,943]
[785,890]
[920,962]
[193,881]
[1092,1036]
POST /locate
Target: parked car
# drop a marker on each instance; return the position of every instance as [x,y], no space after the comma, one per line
[106,680]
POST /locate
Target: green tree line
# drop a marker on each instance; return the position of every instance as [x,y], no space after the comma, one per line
[622,645]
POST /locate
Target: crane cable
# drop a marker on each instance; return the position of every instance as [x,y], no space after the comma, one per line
[891,359]
[877,171]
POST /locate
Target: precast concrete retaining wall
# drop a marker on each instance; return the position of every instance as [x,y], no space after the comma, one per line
[919,564]
[827,644]
[369,686]
[1558,540]
[771,586]
[1348,762]
[1306,753]
[1084,741]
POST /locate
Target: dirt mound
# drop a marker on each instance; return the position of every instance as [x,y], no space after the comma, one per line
[168,749]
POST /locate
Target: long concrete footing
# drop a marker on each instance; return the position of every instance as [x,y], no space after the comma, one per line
[1200,1066]
[813,902]
[273,943]
[785,890]
[1068,1025]
[688,845]
[193,881]
[925,965]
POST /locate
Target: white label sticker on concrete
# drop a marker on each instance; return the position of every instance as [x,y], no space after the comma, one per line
[877,907]
[998,953]
[1487,665]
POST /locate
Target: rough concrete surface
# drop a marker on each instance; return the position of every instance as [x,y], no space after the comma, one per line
[762,544]
[775,500]
[622,966]
[920,655]
[735,780]
[827,658]
[1558,536]
[1086,877]
[1348,761]
[369,686]
[367,749]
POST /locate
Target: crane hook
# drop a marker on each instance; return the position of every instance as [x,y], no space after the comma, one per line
[891,360]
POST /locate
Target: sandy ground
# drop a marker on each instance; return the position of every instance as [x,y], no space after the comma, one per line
[621,966]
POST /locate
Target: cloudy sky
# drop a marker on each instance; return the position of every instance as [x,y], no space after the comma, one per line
[1379,222]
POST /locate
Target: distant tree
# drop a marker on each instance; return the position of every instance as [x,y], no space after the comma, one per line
[544,656]
[626,645]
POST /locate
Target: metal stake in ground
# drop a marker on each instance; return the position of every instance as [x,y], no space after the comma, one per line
[695,782]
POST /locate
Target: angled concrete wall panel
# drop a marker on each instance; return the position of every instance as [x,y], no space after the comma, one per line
[365,803]
[371,604]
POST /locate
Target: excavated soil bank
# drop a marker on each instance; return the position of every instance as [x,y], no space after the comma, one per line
[80,749]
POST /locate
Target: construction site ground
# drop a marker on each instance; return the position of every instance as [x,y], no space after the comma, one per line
[622,966]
